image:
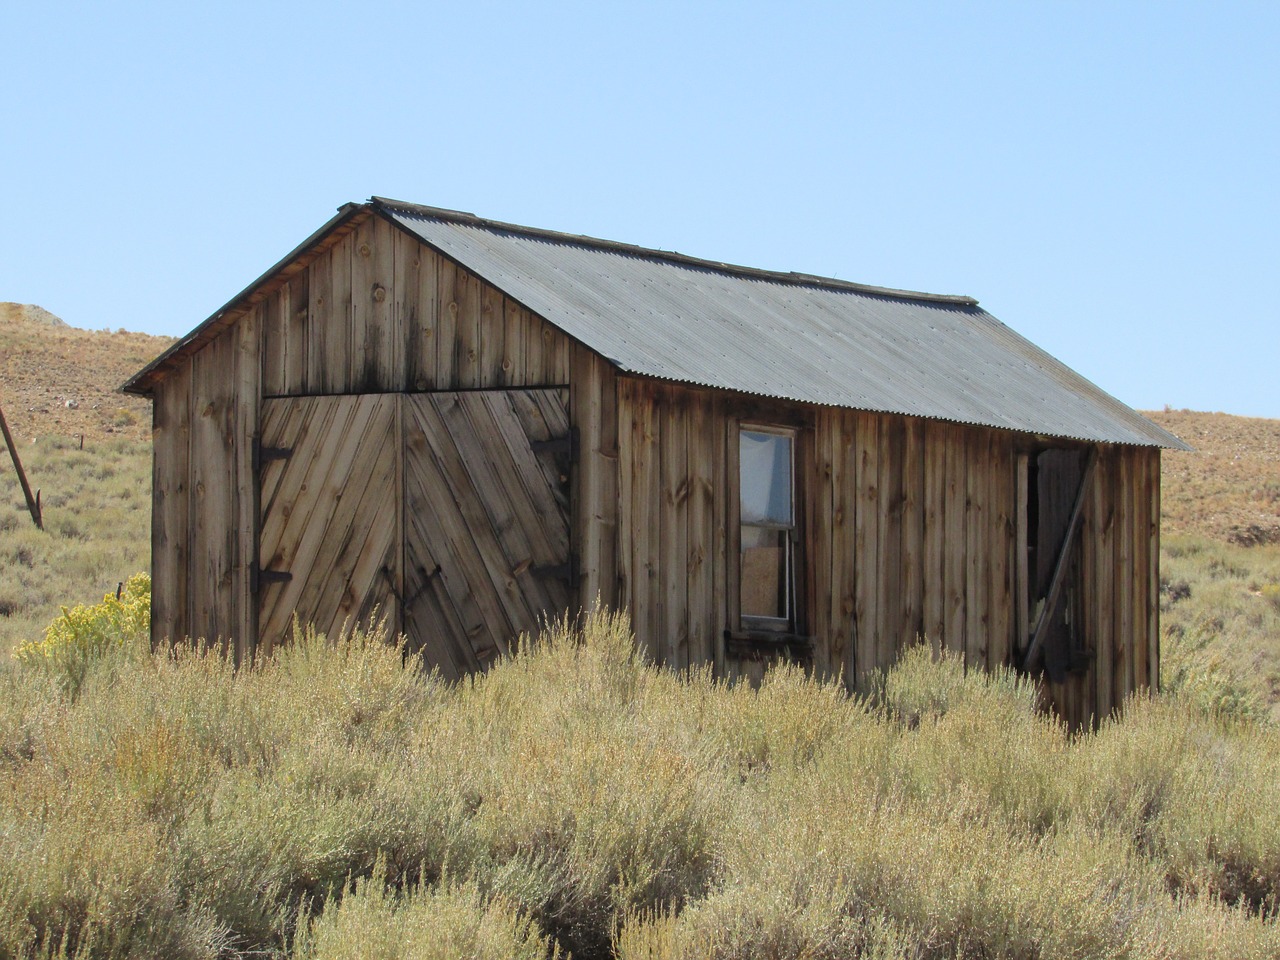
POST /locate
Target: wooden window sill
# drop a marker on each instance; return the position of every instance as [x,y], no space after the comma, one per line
[765,645]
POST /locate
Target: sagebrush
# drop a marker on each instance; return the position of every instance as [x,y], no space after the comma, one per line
[329,801]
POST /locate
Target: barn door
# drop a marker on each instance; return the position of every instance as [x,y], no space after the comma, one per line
[329,542]
[486,521]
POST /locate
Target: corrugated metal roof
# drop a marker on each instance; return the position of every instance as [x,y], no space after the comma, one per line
[790,336]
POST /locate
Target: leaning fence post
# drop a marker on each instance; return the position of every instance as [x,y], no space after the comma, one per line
[32,503]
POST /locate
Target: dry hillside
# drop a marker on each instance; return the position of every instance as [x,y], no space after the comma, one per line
[1229,488]
[60,381]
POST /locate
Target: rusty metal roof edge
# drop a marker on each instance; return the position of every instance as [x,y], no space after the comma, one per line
[629,249]
[1173,443]
[141,383]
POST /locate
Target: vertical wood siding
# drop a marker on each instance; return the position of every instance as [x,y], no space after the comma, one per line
[912,533]
[379,312]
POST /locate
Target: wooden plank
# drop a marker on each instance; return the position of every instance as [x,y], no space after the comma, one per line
[731,558]
[1103,588]
[363,328]
[248,393]
[272,313]
[818,536]
[843,511]
[1124,573]
[446,334]
[626,496]
[955,614]
[975,543]
[673,526]
[295,312]
[717,433]
[321,325]
[213,485]
[587,487]
[422,317]
[1153,572]
[933,600]
[1001,554]
[701,532]
[1021,577]
[533,361]
[555,355]
[466,356]
[493,337]
[889,605]
[1099,700]
[515,322]
[911,629]
[338,360]
[605,517]
[867,540]
[406,283]
[645,534]
[1138,589]
[170,574]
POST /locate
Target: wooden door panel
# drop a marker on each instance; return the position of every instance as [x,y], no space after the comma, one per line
[329,514]
[486,520]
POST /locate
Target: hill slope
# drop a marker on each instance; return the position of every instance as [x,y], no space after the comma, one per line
[1229,488]
[59,380]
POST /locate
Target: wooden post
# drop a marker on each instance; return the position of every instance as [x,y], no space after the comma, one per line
[32,503]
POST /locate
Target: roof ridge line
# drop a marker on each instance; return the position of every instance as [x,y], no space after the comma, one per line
[792,276]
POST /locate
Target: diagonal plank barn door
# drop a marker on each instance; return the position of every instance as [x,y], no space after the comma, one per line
[486,521]
[329,489]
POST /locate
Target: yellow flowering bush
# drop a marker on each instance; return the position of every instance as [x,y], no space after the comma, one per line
[84,634]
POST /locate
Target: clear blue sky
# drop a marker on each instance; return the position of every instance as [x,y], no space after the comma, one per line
[1102,177]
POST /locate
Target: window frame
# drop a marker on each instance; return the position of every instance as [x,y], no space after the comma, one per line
[754,626]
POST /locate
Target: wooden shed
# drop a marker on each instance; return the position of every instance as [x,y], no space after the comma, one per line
[469,424]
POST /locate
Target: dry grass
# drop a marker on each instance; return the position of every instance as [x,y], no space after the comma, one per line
[97,529]
[328,802]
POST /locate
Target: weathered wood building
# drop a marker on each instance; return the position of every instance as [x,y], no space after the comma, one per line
[468,424]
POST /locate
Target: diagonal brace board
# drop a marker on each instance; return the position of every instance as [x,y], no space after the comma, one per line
[1056,584]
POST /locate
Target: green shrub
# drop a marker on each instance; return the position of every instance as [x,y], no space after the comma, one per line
[83,635]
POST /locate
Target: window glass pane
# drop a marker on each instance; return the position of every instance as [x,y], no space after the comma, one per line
[764,573]
[765,468]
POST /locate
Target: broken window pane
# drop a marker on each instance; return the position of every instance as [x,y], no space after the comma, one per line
[764,572]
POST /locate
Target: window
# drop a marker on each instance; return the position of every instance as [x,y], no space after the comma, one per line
[767,512]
